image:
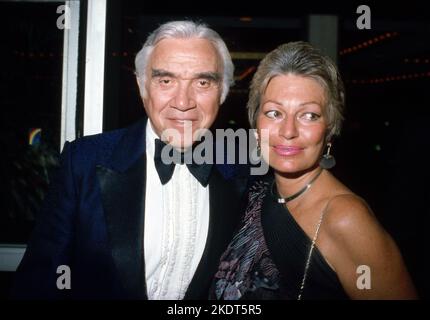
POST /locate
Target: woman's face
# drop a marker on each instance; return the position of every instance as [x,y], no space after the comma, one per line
[293,113]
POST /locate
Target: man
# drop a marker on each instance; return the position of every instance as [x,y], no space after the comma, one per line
[120,222]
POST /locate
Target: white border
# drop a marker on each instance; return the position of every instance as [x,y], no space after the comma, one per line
[94,67]
[70,75]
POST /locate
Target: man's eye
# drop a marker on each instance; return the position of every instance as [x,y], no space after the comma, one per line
[203,83]
[165,82]
[273,114]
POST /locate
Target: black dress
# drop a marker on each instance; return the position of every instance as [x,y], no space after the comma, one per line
[266,258]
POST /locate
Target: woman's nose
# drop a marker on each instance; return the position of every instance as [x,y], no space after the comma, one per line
[288,128]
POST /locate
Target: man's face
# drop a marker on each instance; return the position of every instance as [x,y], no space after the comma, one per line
[183,88]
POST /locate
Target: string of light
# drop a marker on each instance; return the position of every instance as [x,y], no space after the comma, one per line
[390,78]
[44,55]
[417,60]
[368,43]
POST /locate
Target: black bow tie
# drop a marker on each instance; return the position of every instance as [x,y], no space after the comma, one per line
[165,171]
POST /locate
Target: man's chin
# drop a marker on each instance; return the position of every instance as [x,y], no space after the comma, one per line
[182,138]
[181,144]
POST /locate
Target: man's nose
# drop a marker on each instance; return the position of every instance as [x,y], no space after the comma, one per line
[288,128]
[184,97]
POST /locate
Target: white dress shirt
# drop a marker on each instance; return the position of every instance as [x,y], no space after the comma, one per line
[176,227]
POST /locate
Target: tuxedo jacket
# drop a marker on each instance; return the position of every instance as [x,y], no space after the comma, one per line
[92,221]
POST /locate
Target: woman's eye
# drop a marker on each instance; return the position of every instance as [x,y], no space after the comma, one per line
[273,114]
[311,116]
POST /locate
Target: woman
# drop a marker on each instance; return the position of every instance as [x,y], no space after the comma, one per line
[304,234]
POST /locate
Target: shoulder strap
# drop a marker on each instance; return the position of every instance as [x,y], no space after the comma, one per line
[308,261]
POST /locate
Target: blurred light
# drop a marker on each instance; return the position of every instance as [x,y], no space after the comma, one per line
[377,147]
[245,19]
[368,43]
[384,79]
[247,72]
[34,136]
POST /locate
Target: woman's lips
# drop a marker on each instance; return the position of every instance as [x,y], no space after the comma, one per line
[287,150]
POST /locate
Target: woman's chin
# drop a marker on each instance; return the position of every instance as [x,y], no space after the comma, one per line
[295,170]
[285,167]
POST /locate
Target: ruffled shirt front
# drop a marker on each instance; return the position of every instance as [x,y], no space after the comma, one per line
[176,228]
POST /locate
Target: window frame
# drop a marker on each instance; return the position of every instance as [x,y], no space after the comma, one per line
[95,33]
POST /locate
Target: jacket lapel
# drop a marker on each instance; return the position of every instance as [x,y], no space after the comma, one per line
[224,214]
[122,184]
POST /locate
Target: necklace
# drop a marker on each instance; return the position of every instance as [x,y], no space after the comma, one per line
[295,195]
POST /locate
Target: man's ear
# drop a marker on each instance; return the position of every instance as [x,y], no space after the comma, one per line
[141,86]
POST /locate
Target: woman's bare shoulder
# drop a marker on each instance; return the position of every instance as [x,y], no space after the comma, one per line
[348,216]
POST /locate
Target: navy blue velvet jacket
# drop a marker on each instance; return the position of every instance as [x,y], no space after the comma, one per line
[93,221]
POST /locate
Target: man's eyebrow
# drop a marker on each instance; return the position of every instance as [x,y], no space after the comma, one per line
[161,73]
[214,76]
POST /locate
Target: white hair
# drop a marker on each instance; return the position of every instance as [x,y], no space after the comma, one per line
[184,30]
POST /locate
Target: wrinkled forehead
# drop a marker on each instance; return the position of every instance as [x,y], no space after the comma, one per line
[185,57]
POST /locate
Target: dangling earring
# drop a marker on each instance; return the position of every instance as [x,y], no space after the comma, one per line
[327,161]
[257,138]
[258,149]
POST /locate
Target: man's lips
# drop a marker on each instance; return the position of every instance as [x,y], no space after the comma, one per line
[182,119]
[176,122]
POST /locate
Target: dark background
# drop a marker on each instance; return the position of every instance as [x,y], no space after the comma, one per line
[381,154]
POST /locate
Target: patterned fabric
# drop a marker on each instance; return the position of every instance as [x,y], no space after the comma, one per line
[246,270]
[268,234]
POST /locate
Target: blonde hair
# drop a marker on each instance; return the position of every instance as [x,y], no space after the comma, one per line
[302,59]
